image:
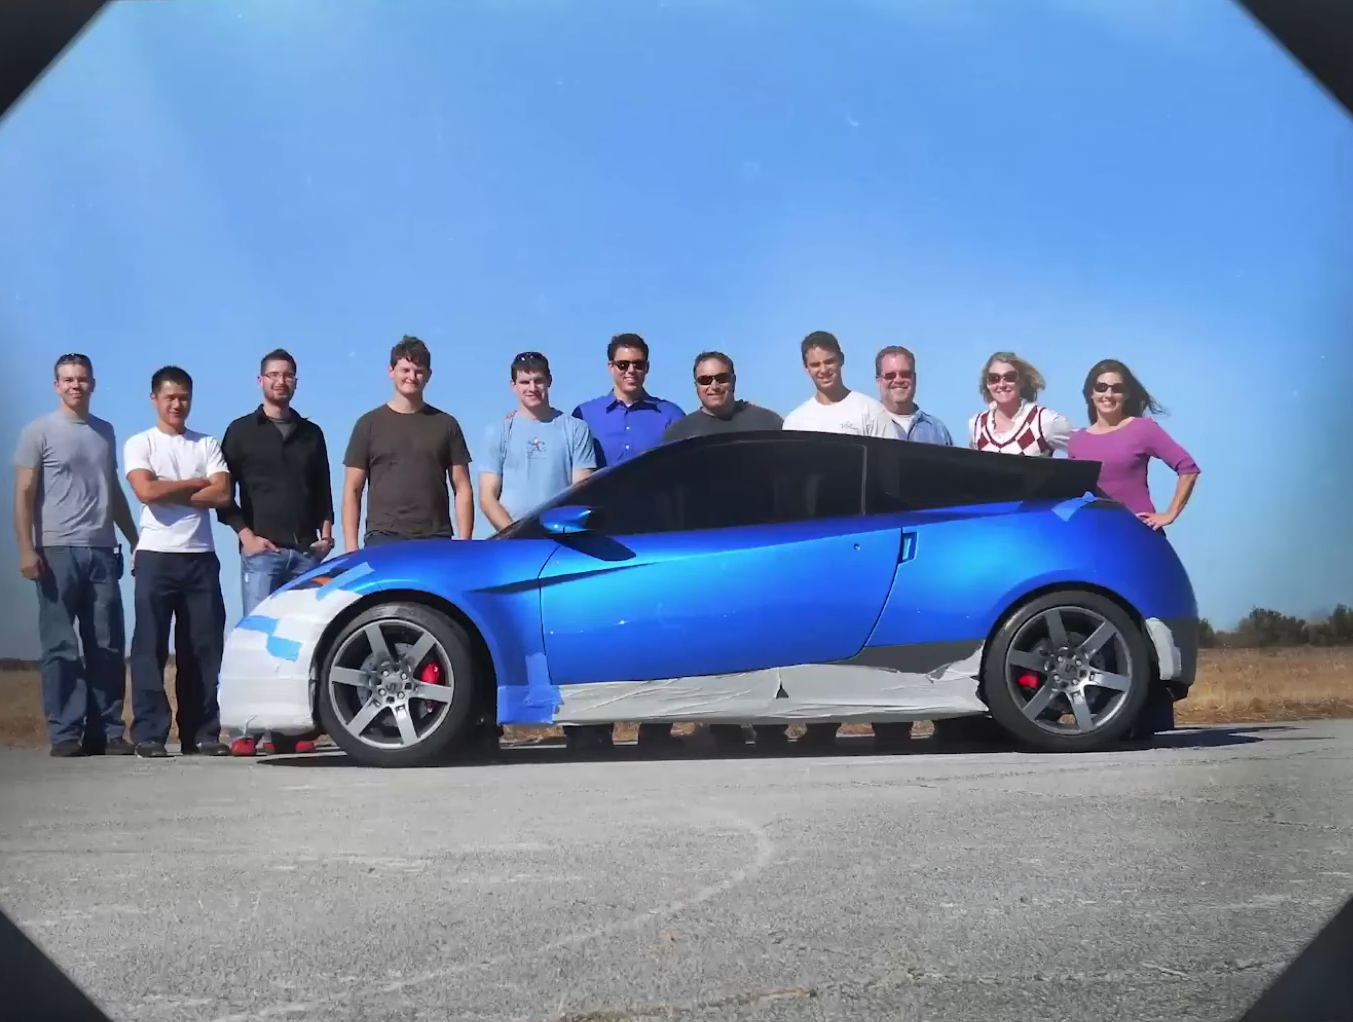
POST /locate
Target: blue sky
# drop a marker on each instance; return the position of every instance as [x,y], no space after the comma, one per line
[199,182]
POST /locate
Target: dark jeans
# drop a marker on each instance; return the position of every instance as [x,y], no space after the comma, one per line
[82,698]
[185,589]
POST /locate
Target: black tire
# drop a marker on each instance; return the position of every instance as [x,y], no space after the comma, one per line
[1081,612]
[444,738]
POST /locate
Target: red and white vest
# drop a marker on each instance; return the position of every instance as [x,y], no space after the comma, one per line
[1026,437]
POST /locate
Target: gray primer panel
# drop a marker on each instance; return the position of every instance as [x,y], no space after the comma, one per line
[801,693]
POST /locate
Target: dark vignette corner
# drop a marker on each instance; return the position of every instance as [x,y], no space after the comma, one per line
[1317,33]
[33,34]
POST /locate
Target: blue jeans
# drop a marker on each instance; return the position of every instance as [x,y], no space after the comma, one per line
[82,697]
[265,573]
[262,574]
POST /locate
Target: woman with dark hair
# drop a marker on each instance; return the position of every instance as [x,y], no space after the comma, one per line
[1123,440]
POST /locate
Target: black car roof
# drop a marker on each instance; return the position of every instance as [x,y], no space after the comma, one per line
[972,476]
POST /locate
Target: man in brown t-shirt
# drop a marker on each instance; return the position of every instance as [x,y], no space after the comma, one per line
[402,453]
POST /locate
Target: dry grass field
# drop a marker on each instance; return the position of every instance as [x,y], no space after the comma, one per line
[1234,685]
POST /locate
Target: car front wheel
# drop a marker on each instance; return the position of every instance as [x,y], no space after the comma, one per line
[1068,672]
[396,686]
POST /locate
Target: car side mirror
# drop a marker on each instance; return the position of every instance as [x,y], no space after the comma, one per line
[567,520]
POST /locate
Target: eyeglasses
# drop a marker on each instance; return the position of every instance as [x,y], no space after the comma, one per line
[639,365]
[529,356]
[1009,377]
[899,374]
[1116,388]
[711,378]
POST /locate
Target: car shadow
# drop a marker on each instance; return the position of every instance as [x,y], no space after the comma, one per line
[846,746]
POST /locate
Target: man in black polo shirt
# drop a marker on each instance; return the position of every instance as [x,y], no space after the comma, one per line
[284,516]
[720,410]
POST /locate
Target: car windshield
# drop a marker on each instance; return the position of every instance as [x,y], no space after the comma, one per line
[575,494]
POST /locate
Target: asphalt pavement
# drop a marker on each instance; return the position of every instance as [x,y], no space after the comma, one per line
[1170,883]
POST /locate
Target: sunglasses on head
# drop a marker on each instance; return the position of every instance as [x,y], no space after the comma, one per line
[638,364]
[710,378]
[1104,388]
[1011,376]
[899,374]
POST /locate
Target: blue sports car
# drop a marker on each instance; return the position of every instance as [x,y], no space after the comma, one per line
[761,578]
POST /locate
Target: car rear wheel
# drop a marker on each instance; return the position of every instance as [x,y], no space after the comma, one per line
[396,687]
[1068,672]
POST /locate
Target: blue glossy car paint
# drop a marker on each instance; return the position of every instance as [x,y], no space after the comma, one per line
[698,603]
[494,585]
[584,608]
[972,564]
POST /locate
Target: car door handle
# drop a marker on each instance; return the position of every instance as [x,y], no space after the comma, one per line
[907,550]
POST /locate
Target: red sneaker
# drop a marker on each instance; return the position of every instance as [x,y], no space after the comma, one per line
[305,746]
[243,747]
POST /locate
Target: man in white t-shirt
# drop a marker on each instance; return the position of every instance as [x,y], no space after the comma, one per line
[179,476]
[833,408]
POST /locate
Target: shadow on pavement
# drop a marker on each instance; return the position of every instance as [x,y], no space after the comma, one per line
[553,750]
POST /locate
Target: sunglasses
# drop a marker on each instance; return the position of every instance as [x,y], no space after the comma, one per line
[899,374]
[1010,377]
[529,356]
[639,365]
[1104,388]
[710,378]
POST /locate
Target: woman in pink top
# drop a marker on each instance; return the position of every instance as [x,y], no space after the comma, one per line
[1123,441]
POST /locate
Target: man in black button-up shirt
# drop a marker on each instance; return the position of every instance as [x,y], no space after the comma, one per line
[284,513]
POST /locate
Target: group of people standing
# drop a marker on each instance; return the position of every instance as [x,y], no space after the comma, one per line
[268,479]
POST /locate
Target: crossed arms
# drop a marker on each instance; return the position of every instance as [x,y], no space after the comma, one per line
[211,492]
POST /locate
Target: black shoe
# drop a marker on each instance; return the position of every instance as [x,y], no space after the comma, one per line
[658,736]
[728,736]
[770,736]
[892,736]
[151,750]
[213,749]
[818,736]
[118,747]
[68,750]
[188,749]
[586,738]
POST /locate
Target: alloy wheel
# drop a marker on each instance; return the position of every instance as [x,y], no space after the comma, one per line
[1070,670]
[391,684]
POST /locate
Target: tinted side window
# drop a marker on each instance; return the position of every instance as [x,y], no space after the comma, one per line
[741,484]
[912,477]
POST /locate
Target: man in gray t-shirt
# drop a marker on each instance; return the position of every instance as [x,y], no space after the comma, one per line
[720,411]
[69,498]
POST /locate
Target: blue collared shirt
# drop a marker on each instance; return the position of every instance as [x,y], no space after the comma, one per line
[925,429]
[621,432]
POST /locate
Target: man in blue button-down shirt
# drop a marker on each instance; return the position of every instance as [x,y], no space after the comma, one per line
[625,422]
[895,370]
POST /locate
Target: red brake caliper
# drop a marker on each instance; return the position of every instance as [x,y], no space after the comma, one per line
[1028,680]
[431,675]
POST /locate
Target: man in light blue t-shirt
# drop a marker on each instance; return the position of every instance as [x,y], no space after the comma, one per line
[535,452]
